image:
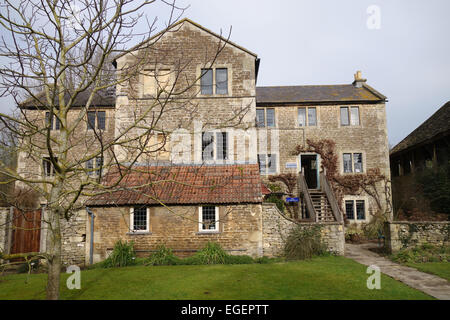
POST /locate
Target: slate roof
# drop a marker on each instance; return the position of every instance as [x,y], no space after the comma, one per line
[103,98]
[436,125]
[189,184]
[317,94]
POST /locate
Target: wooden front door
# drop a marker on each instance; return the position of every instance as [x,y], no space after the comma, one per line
[26,231]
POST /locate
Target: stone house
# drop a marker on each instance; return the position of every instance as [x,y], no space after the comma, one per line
[238,136]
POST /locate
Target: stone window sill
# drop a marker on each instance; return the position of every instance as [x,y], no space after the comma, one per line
[207,232]
[138,233]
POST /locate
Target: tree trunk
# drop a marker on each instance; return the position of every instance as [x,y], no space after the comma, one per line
[54,261]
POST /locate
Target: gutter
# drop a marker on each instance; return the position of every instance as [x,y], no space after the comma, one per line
[91,242]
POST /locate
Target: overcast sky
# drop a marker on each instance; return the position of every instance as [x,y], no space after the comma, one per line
[326,41]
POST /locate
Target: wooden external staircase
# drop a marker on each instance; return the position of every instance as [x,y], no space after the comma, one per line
[318,205]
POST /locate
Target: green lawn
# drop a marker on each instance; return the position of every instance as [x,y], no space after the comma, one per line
[319,278]
[441,269]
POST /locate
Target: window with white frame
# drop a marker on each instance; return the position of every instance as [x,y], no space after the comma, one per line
[349,116]
[208,217]
[307,116]
[353,162]
[139,219]
[214,145]
[355,210]
[94,166]
[265,117]
[267,163]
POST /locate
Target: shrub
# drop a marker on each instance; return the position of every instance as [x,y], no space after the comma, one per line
[278,202]
[212,253]
[435,184]
[423,253]
[304,243]
[265,259]
[353,233]
[162,257]
[123,255]
[230,259]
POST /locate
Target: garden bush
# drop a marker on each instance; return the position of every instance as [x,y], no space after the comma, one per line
[304,243]
[122,255]
[423,253]
[162,257]
[212,253]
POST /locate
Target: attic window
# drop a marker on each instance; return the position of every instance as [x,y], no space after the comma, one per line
[207,84]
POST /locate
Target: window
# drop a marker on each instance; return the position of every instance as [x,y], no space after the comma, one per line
[349,210]
[349,116]
[53,123]
[214,148]
[139,219]
[208,218]
[207,84]
[222,81]
[355,208]
[96,164]
[355,165]
[307,116]
[265,117]
[49,169]
[96,120]
[155,81]
[267,163]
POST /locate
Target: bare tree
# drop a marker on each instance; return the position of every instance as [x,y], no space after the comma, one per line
[60,53]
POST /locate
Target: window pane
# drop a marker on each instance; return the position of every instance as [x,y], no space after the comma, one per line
[272,163]
[140,218]
[91,120]
[209,218]
[355,116]
[260,119]
[347,162]
[357,158]
[349,209]
[206,81]
[101,121]
[360,210]
[89,167]
[270,114]
[99,165]
[262,163]
[222,81]
[301,117]
[207,146]
[47,120]
[222,150]
[344,116]
[312,117]
[57,123]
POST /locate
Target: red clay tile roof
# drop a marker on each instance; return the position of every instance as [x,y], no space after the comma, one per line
[214,184]
[265,190]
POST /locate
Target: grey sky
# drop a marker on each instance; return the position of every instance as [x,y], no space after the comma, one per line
[326,41]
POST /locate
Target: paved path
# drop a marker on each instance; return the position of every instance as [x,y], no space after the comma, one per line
[428,283]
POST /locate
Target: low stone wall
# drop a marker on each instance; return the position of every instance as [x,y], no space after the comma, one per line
[276,228]
[406,234]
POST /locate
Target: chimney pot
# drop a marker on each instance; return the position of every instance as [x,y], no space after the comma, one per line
[358,79]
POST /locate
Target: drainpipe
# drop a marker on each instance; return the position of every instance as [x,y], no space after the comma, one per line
[91,245]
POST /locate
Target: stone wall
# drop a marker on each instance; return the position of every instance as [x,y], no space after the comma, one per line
[4,212]
[276,228]
[405,234]
[240,230]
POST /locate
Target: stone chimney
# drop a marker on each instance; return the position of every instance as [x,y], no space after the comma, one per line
[359,81]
